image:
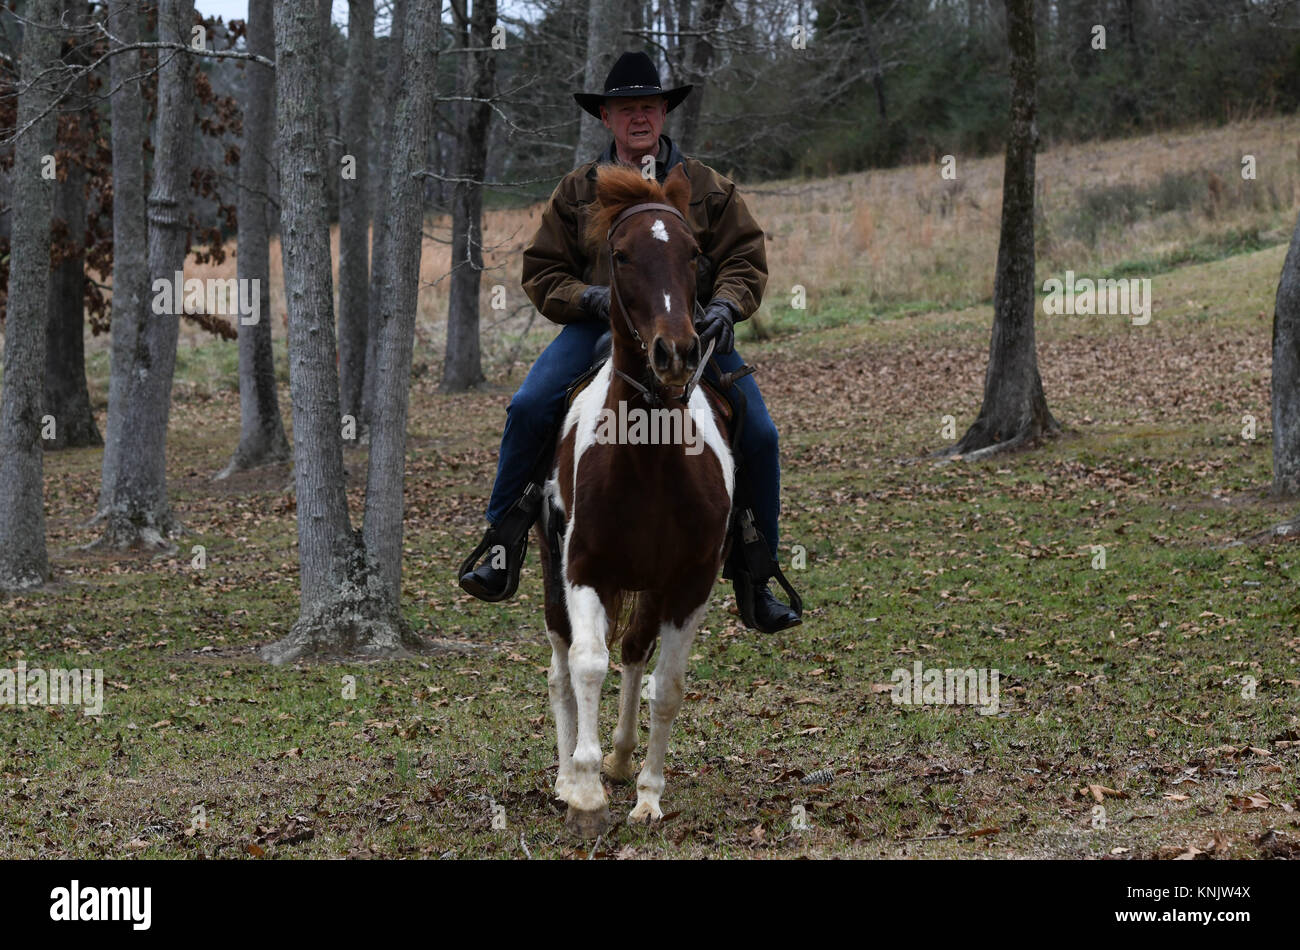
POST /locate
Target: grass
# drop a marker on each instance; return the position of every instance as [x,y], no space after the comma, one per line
[1126,683]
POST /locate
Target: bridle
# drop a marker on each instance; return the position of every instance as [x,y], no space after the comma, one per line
[652,397]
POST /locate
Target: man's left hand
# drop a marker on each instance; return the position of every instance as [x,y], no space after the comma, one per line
[717,323]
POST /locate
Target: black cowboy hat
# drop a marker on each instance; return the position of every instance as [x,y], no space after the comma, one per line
[635,74]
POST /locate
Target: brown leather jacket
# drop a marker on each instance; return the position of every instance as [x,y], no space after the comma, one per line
[557,268]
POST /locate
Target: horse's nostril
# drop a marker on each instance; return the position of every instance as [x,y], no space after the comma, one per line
[661,354]
[693,354]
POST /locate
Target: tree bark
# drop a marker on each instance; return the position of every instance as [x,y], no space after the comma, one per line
[403,219]
[698,59]
[463,363]
[262,440]
[329,106]
[605,41]
[1014,410]
[139,513]
[130,233]
[23,560]
[873,60]
[393,69]
[1286,375]
[354,209]
[66,396]
[350,580]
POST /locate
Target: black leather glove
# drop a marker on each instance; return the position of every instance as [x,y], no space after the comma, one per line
[595,302]
[718,322]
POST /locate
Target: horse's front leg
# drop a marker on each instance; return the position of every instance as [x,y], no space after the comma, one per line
[588,663]
[564,706]
[665,700]
[637,644]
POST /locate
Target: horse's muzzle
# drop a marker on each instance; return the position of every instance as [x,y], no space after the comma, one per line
[675,360]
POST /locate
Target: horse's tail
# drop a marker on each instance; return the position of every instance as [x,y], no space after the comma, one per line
[620,616]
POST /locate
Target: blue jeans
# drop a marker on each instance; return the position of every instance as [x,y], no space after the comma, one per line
[538,406]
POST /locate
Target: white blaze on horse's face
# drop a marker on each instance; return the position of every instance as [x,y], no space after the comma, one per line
[659,231]
[668,303]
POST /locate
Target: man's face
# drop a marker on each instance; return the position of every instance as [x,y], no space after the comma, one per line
[635,123]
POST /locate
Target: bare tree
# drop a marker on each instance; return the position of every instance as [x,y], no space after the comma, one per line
[393,69]
[1286,375]
[261,432]
[605,24]
[463,365]
[1014,410]
[354,207]
[23,560]
[130,230]
[694,56]
[138,511]
[66,396]
[351,580]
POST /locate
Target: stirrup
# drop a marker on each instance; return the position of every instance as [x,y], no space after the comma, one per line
[751,565]
[511,534]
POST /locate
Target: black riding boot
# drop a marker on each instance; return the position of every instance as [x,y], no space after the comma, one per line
[503,548]
[750,566]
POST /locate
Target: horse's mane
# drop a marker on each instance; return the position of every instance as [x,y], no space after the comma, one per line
[618,187]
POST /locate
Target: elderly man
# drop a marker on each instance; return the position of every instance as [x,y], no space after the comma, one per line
[571,288]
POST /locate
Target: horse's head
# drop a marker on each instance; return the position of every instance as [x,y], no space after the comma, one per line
[651,254]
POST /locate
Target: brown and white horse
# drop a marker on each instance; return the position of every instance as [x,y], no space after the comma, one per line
[643,521]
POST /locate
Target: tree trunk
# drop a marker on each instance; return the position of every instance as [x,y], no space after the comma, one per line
[605,41]
[66,396]
[463,364]
[139,512]
[403,218]
[393,69]
[354,209]
[697,63]
[23,560]
[329,107]
[130,233]
[350,580]
[1014,409]
[261,430]
[873,60]
[1286,375]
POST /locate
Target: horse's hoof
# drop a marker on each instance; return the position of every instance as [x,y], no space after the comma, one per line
[563,788]
[620,772]
[588,824]
[646,811]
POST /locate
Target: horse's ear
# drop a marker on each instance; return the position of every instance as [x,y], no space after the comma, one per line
[677,190]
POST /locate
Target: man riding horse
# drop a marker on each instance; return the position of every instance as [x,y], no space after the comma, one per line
[571,287]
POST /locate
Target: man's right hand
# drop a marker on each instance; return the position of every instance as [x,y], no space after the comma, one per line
[595,302]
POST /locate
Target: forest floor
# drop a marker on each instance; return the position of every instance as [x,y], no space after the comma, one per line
[1147,708]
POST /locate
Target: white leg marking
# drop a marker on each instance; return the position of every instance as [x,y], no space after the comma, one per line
[564,707]
[665,701]
[588,662]
[618,764]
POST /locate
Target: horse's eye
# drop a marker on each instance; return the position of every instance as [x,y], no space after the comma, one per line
[620,257]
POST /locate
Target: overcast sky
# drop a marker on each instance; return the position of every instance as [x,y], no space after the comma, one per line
[238,9]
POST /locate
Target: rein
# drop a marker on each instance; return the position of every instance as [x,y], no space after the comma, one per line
[653,398]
